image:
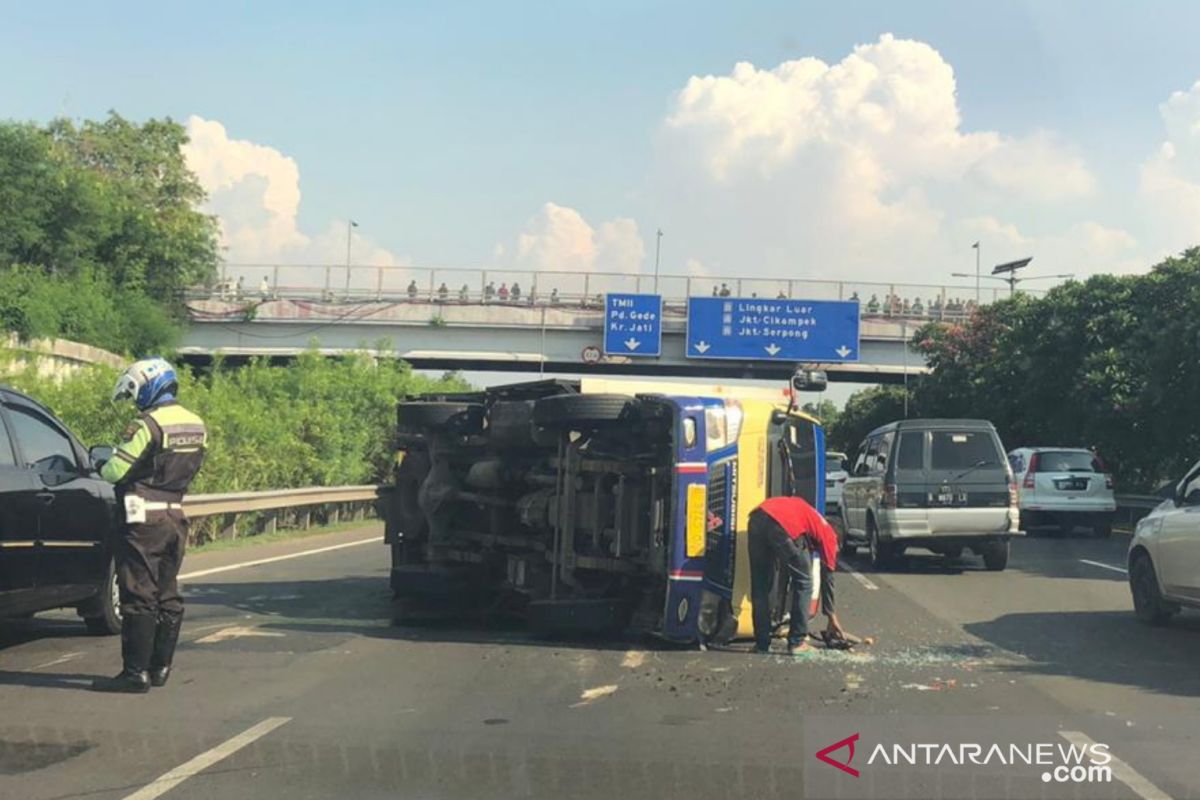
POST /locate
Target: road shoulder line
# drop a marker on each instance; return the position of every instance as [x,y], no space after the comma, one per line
[1136,781]
[271,560]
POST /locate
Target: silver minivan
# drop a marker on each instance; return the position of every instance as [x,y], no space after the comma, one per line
[941,484]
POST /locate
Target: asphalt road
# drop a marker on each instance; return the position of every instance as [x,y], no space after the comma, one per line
[292,682]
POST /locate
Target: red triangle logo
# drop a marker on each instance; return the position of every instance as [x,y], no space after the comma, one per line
[844,766]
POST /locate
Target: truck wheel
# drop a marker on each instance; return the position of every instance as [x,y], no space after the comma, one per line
[1148,602]
[410,521]
[581,410]
[102,614]
[883,554]
[510,424]
[421,416]
[995,556]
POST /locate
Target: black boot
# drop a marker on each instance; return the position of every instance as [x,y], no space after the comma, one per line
[137,640]
[166,635]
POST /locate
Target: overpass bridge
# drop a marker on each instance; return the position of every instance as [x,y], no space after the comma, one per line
[457,320]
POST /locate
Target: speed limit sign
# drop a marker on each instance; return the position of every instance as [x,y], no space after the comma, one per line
[591,355]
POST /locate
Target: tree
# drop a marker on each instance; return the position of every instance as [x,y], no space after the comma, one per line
[1109,362]
[824,410]
[864,412]
[100,231]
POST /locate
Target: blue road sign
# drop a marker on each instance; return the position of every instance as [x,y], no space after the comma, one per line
[754,329]
[633,324]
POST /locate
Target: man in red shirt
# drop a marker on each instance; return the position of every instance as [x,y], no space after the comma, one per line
[788,529]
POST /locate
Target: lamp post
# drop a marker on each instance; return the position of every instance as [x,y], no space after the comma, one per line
[350,226]
[657,250]
[977,276]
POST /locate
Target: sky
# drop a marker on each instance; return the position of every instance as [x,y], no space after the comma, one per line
[859,141]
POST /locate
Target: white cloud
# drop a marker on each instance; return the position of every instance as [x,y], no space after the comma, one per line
[859,169]
[1170,179]
[255,192]
[559,238]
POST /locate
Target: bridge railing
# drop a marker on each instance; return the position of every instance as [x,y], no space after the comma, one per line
[579,289]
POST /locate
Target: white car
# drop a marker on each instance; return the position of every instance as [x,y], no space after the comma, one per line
[1164,556]
[835,480]
[1065,487]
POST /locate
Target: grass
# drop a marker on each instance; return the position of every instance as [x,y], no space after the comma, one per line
[218,545]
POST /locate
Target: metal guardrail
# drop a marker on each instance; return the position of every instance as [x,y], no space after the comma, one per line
[1132,507]
[275,501]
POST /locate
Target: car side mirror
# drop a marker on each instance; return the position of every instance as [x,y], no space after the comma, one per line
[100,455]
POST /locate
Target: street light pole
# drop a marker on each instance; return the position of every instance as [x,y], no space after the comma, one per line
[978,251]
[657,250]
[350,225]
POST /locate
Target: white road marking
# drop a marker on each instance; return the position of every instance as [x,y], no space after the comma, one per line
[634,659]
[1102,565]
[235,632]
[1126,774]
[60,660]
[168,781]
[591,695]
[242,565]
[863,579]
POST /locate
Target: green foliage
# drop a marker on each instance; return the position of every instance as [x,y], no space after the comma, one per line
[1110,362]
[315,422]
[96,221]
[864,412]
[824,410]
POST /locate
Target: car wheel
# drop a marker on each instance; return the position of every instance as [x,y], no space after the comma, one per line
[995,556]
[883,554]
[845,546]
[102,614]
[1148,603]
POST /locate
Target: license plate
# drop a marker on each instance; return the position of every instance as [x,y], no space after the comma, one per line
[951,498]
[1072,485]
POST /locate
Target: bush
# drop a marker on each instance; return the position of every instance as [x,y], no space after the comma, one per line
[317,422]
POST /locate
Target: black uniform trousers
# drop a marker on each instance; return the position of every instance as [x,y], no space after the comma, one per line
[149,556]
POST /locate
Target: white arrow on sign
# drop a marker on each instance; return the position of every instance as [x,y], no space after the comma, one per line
[702,347]
[632,343]
[772,349]
[843,351]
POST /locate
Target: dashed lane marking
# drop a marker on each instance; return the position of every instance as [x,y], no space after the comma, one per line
[242,565]
[168,781]
[235,632]
[1126,774]
[60,660]
[589,696]
[863,579]
[1102,565]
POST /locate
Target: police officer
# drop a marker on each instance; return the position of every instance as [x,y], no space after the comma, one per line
[159,455]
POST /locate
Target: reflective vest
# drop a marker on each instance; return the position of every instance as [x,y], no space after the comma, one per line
[160,453]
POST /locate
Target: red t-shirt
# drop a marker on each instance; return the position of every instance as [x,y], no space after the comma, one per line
[798,518]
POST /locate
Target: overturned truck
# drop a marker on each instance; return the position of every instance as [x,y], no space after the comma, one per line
[592,505]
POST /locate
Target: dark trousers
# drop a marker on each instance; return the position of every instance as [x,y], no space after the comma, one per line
[769,543]
[148,559]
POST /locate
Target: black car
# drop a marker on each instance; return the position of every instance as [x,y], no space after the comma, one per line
[58,519]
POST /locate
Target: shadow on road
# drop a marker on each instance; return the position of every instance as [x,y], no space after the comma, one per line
[46,680]
[363,606]
[15,632]
[1104,646]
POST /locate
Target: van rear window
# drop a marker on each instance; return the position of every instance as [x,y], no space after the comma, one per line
[963,449]
[912,450]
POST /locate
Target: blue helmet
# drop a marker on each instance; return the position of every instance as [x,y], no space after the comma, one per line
[147,382]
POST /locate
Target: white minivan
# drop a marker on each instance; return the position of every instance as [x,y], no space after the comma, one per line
[1064,487]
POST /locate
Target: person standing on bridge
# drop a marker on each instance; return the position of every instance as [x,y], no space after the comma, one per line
[786,530]
[159,455]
